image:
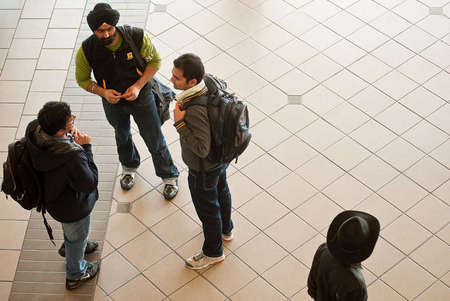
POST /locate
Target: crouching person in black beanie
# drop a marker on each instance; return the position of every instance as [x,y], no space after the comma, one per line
[336,269]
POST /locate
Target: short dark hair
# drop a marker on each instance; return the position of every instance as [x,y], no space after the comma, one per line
[191,65]
[54,116]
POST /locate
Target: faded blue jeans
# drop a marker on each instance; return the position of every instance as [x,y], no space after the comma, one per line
[145,114]
[75,241]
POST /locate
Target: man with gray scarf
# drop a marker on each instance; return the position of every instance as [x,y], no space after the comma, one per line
[62,156]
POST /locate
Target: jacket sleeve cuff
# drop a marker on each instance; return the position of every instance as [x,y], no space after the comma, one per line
[179,124]
[87,147]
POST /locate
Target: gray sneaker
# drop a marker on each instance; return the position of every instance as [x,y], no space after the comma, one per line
[91,271]
[170,191]
[201,261]
[127,181]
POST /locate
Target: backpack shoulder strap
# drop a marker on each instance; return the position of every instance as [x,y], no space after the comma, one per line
[133,36]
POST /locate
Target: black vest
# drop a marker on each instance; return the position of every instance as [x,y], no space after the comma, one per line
[114,69]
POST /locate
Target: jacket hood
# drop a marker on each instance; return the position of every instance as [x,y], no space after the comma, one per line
[48,154]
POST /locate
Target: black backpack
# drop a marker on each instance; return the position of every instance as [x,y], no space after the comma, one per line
[21,181]
[228,119]
[163,94]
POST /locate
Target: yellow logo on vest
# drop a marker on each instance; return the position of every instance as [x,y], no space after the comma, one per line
[129,55]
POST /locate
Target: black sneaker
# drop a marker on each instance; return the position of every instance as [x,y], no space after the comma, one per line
[90,247]
[127,182]
[170,191]
[92,270]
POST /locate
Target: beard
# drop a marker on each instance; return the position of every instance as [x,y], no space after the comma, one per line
[106,41]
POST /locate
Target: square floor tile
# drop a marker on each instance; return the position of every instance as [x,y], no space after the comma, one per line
[263,210]
[292,191]
[10,209]
[258,289]
[10,114]
[60,38]
[170,274]
[411,10]
[429,255]
[374,173]
[242,188]
[441,154]
[419,69]
[372,135]
[25,49]
[425,136]
[320,134]
[152,208]
[431,212]
[415,39]
[371,101]
[278,67]
[158,22]
[438,291]
[268,134]
[383,210]
[14,91]
[55,59]
[347,191]
[227,9]
[115,271]
[395,84]
[306,252]
[422,101]
[408,279]
[320,9]
[200,289]
[393,53]
[346,117]
[437,25]
[321,100]
[273,9]
[390,24]
[440,118]
[346,153]
[176,229]
[398,119]
[281,232]
[297,23]
[138,289]
[296,52]
[243,231]
[140,188]
[294,117]
[31,28]
[293,152]
[406,241]
[379,291]
[320,37]
[437,54]
[400,154]
[252,153]
[384,257]
[344,52]
[320,67]
[5,288]
[245,82]
[295,82]
[178,36]
[9,260]
[48,80]
[443,192]
[36,100]
[281,274]
[219,275]
[367,38]
[249,21]
[268,99]
[366,10]
[204,21]
[265,171]
[18,70]
[272,37]
[202,48]
[6,37]
[225,36]
[343,23]
[369,68]
[223,66]
[183,9]
[438,85]
[66,18]
[319,172]
[38,9]
[248,51]
[345,84]
[251,253]
[318,212]
[122,228]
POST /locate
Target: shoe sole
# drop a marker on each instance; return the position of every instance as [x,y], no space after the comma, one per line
[202,267]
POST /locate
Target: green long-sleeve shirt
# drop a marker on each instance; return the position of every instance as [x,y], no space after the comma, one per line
[83,69]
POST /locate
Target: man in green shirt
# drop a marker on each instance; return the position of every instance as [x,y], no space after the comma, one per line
[125,91]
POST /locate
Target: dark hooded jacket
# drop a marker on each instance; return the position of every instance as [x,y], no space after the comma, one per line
[68,172]
[331,280]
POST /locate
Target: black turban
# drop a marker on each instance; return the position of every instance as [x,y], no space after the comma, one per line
[102,13]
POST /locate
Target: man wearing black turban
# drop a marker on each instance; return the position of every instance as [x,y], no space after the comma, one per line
[125,91]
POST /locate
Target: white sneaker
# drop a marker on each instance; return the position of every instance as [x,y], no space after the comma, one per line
[227,237]
[201,261]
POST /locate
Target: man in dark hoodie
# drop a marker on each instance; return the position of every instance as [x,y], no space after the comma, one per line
[336,269]
[63,157]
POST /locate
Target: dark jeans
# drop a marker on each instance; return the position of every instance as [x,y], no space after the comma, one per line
[212,200]
[145,114]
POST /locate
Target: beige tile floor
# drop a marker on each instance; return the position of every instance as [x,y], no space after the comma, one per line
[371,133]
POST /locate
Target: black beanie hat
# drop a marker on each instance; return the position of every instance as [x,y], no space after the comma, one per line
[102,13]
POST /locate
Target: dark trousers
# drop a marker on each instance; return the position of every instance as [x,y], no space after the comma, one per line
[212,200]
[145,114]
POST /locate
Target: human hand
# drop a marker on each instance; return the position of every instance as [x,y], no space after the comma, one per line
[131,93]
[82,139]
[111,96]
[74,132]
[178,114]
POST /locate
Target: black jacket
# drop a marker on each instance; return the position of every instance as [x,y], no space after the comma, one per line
[68,172]
[330,280]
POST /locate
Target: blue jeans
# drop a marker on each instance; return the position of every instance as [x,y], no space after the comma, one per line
[145,114]
[212,201]
[75,241]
